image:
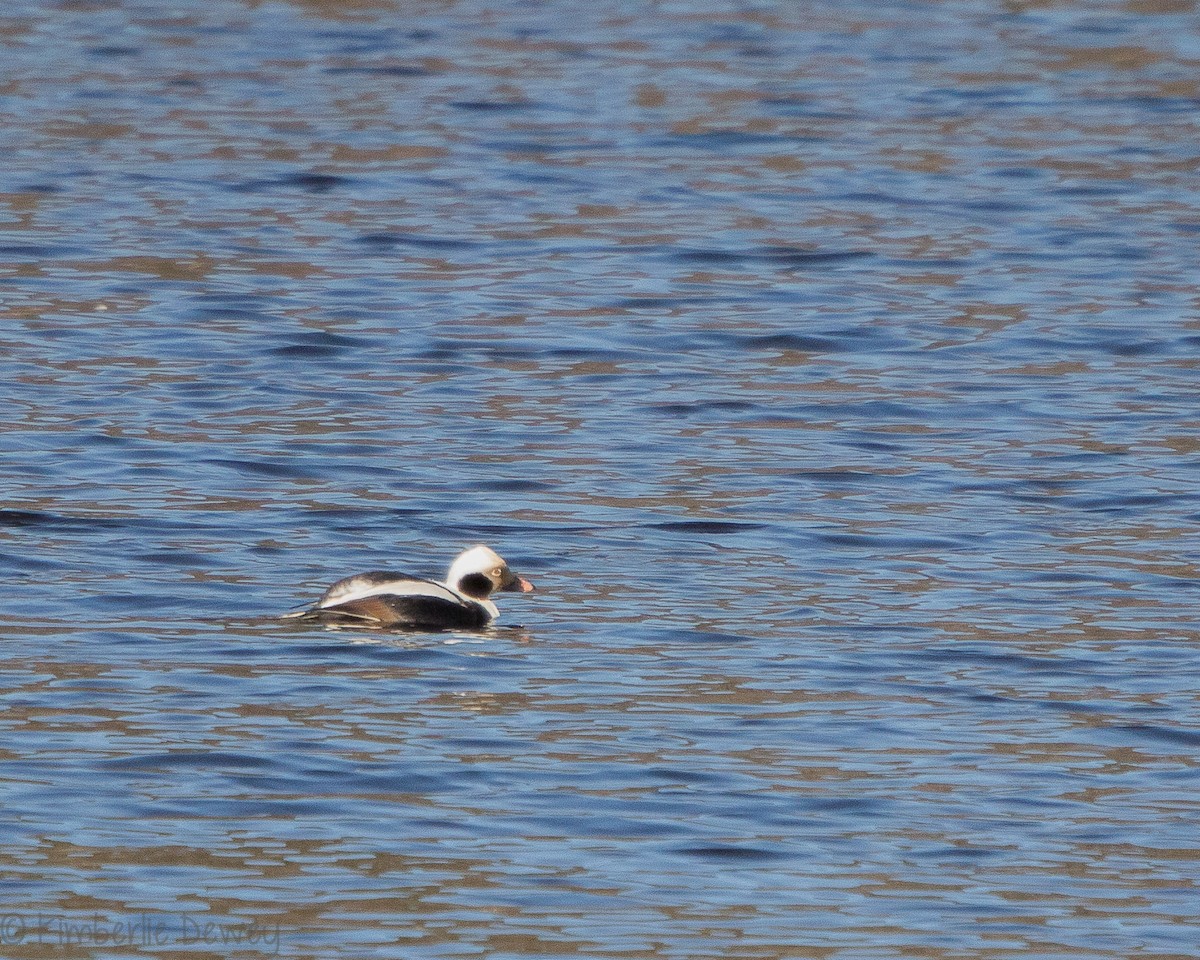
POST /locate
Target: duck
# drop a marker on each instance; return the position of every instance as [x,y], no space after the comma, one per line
[381,598]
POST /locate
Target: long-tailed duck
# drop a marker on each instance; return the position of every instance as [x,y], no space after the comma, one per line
[398,601]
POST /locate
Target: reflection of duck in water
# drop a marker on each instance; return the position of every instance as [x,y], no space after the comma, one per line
[381,599]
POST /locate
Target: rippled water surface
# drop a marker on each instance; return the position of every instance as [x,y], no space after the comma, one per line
[831,368]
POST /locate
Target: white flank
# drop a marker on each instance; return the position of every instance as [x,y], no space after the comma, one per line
[397,588]
[409,588]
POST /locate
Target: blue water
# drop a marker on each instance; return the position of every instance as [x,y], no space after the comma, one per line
[832,370]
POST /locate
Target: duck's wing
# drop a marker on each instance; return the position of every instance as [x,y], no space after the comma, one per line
[412,611]
[362,584]
[383,598]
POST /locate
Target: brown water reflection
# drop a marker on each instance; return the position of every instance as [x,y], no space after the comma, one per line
[831,367]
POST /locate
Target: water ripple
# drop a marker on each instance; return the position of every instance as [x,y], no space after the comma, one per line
[835,386]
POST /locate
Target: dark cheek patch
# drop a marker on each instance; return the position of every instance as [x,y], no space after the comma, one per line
[475,585]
